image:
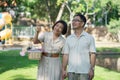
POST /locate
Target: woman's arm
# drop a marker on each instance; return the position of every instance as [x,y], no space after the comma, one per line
[35,39]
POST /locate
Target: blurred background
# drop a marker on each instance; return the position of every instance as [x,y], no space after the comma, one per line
[19,18]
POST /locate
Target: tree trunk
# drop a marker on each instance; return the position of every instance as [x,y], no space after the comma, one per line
[60,12]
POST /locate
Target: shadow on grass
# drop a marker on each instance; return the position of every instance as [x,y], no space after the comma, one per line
[21,77]
[12,60]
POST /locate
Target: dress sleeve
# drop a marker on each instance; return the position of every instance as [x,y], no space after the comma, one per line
[41,36]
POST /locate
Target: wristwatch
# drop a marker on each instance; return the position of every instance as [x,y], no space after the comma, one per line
[93,68]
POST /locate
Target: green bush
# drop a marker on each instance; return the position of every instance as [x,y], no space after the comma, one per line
[114,26]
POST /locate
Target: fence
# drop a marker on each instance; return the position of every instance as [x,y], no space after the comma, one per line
[23,32]
[110,60]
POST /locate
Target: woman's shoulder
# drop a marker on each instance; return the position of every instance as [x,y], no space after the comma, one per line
[62,38]
[47,33]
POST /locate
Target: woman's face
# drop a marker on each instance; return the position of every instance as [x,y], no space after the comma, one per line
[58,28]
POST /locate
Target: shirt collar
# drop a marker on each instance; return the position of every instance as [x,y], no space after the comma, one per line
[82,34]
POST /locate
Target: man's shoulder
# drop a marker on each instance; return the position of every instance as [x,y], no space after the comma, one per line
[70,36]
[87,34]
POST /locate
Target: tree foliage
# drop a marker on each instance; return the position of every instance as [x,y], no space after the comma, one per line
[100,10]
[114,26]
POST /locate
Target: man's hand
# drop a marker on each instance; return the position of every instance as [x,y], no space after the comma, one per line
[64,74]
[91,74]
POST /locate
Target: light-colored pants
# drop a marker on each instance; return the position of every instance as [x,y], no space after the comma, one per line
[77,76]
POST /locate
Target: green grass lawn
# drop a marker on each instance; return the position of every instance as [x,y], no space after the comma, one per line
[103,49]
[15,67]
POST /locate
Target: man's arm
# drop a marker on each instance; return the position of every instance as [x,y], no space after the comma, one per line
[64,65]
[92,62]
[65,61]
[92,59]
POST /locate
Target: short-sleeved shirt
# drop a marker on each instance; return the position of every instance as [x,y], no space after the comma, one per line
[79,50]
[50,45]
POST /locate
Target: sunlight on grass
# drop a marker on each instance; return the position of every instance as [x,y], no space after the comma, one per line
[15,67]
[106,74]
[31,72]
[20,74]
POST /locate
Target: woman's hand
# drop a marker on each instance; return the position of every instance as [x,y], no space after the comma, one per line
[38,29]
[35,39]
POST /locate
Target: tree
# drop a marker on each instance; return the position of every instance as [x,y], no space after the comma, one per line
[103,10]
[46,9]
[114,28]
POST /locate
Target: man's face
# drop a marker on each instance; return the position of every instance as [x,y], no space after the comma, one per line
[77,22]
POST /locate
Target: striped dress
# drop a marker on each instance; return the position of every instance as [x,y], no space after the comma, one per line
[50,67]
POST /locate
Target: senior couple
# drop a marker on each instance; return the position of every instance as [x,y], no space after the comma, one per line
[78,49]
